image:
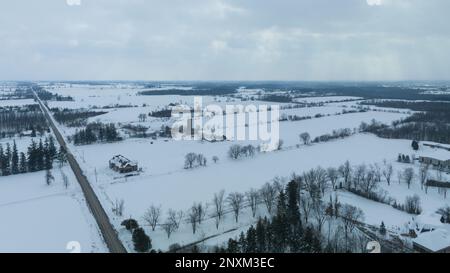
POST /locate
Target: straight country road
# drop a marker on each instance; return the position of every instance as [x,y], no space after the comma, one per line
[109,233]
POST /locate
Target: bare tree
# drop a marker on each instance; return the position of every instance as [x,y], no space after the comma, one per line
[387,172]
[218,205]
[423,174]
[189,160]
[142,117]
[311,183]
[201,210]
[235,151]
[152,215]
[346,171]
[399,176]
[118,207]
[279,183]
[65,180]
[49,177]
[359,175]
[215,159]
[306,204]
[439,173]
[408,176]
[305,137]
[350,215]
[268,195]
[193,217]
[369,181]
[253,199]
[236,201]
[333,176]
[175,217]
[412,204]
[201,160]
[321,178]
[319,215]
[169,227]
[377,172]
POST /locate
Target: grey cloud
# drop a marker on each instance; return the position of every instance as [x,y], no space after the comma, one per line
[225,39]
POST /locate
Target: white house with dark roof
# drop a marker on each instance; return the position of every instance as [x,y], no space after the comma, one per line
[122,164]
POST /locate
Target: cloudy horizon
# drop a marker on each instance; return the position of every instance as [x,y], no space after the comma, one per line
[297,40]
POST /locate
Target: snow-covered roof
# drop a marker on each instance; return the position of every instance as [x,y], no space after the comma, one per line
[435,153]
[436,240]
[120,160]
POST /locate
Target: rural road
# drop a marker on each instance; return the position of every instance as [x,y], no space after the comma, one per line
[109,234]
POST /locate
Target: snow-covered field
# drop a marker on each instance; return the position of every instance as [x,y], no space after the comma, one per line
[164,181]
[21,102]
[41,218]
[36,217]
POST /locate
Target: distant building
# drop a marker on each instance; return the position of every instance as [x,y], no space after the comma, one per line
[27,133]
[437,184]
[438,163]
[436,241]
[122,164]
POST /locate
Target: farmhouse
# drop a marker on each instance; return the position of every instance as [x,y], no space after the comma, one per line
[436,162]
[122,164]
[436,241]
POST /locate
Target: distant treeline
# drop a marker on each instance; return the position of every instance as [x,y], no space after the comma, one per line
[375,92]
[165,113]
[74,118]
[14,120]
[432,125]
[276,98]
[96,132]
[45,95]
[198,89]
[193,92]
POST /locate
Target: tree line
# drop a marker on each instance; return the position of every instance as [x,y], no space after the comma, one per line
[430,124]
[39,156]
[74,118]
[14,120]
[96,132]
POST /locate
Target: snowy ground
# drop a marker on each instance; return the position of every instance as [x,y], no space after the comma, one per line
[40,218]
[36,217]
[21,102]
[165,182]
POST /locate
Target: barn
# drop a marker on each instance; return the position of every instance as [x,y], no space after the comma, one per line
[122,164]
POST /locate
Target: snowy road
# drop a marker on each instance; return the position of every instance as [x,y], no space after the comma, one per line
[109,234]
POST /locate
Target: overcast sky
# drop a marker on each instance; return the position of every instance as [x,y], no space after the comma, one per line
[225,40]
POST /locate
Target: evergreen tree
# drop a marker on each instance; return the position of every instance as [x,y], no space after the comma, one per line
[280,225]
[62,156]
[15,160]
[251,241]
[32,157]
[142,243]
[22,163]
[233,246]
[130,224]
[52,148]
[293,209]
[40,163]
[261,236]
[242,243]
[2,160]
[7,160]
[383,230]
[415,145]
